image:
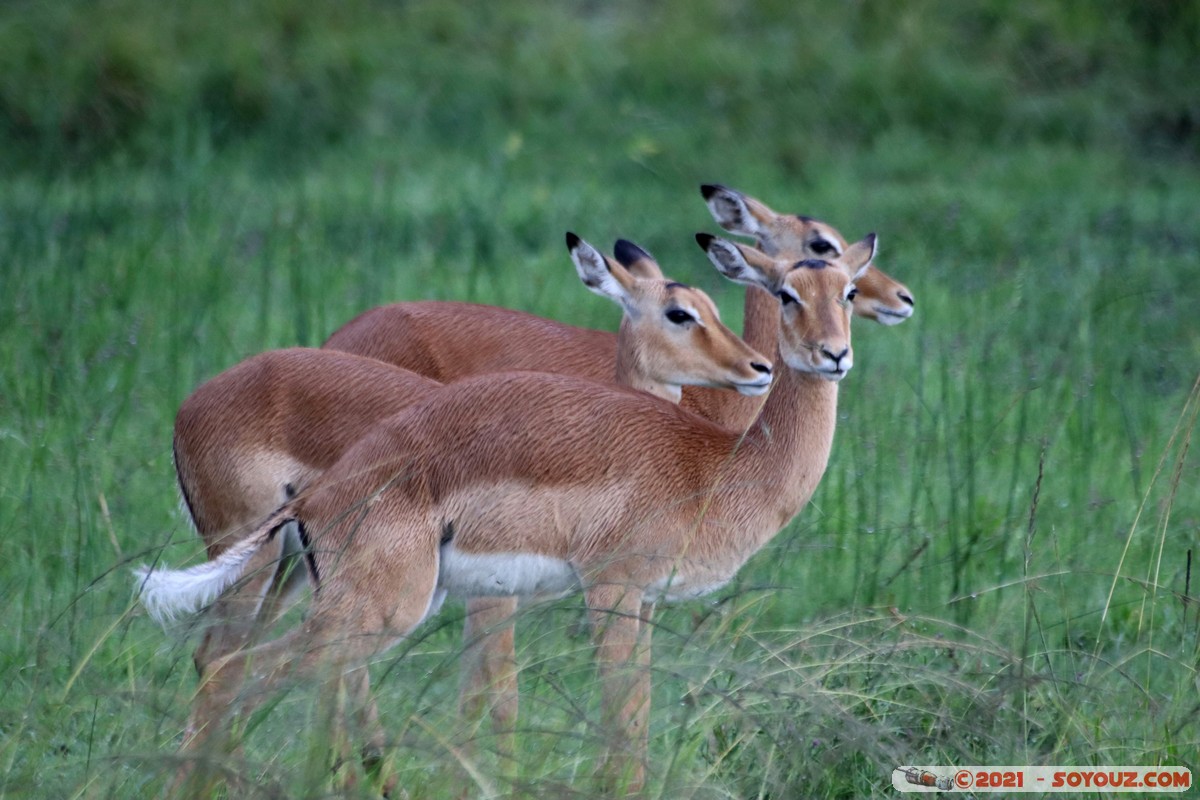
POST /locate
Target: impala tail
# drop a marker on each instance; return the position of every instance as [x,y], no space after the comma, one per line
[167,594]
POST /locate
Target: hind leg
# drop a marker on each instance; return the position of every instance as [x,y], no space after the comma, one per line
[257,605]
[243,612]
[374,752]
[367,604]
[308,652]
[622,653]
[488,680]
[231,623]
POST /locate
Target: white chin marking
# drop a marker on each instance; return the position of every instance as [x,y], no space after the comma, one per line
[802,365]
[832,375]
[753,390]
[503,574]
[885,316]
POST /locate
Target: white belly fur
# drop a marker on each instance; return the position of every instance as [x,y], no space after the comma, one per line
[503,574]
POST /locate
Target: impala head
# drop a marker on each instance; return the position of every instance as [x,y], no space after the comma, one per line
[815,295]
[880,297]
[673,333]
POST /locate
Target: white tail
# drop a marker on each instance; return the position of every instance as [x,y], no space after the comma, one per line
[169,594]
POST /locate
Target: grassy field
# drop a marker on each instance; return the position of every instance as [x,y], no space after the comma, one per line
[996,568]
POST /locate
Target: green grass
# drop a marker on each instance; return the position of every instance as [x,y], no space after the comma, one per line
[993,570]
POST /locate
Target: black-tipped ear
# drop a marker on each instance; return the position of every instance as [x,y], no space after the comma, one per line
[858,256]
[734,261]
[627,253]
[732,209]
[602,275]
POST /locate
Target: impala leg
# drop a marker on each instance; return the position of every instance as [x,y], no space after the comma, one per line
[615,612]
[232,624]
[314,650]
[259,603]
[300,653]
[642,685]
[353,714]
[235,618]
[332,756]
[351,619]
[374,752]
[489,674]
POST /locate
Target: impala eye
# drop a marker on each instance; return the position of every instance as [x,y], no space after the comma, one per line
[786,297]
[679,316]
[821,247]
[853,293]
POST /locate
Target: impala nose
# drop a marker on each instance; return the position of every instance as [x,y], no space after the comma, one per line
[836,358]
[754,387]
[905,297]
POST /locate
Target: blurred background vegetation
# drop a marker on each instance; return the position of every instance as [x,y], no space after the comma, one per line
[81,81]
[997,566]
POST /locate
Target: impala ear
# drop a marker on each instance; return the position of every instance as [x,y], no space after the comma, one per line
[637,260]
[734,211]
[740,264]
[858,256]
[601,275]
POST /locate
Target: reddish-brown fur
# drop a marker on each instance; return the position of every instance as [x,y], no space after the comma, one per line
[275,419]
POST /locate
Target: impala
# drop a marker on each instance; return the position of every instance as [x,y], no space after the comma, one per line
[522,483]
[261,432]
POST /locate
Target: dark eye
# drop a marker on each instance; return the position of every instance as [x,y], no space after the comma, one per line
[821,247]
[786,298]
[679,316]
[853,293]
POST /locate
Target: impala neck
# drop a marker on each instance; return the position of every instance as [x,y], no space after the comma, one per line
[760,325]
[631,371]
[760,330]
[785,452]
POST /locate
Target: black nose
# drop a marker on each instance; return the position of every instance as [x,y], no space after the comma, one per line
[757,367]
[835,357]
[906,298]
